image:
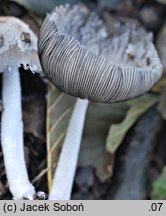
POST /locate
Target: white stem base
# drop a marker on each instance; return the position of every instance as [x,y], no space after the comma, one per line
[64,175]
[12,138]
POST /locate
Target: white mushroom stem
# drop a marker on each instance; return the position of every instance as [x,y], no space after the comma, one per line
[12,137]
[65,172]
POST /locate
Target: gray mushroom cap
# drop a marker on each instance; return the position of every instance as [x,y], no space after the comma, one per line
[18,45]
[82,59]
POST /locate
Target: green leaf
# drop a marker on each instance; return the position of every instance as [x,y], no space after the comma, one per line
[59,109]
[98,120]
[117,132]
[93,152]
[159,187]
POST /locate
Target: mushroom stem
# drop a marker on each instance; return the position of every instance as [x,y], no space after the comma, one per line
[12,137]
[65,171]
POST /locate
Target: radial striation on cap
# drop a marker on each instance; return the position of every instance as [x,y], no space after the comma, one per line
[80,57]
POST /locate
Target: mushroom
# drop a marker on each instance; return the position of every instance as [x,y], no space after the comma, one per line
[80,57]
[18,47]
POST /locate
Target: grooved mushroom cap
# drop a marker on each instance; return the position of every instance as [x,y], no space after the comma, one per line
[82,59]
[18,45]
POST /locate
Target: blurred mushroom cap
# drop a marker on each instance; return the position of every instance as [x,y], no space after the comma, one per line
[18,45]
[82,59]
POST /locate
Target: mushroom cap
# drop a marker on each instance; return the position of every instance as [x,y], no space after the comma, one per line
[18,45]
[82,59]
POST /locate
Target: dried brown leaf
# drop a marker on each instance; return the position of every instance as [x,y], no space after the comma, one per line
[59,108]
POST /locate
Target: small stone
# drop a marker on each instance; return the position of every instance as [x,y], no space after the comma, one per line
[40,195]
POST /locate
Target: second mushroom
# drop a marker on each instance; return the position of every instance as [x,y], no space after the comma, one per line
[18,47]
